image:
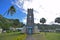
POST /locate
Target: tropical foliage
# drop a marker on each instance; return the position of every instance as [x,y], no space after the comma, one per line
[57,20]
[43,20]
[11,10]
[7,23]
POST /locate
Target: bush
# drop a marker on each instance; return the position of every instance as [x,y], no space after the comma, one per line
[21,37]
[8,31]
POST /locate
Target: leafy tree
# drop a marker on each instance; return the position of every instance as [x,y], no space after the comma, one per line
[4,24]
[16,23]
[42,20]
[2,20]
[57,20]
[21,24]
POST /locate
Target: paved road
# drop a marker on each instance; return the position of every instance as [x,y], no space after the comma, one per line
[30,37]
[36,37]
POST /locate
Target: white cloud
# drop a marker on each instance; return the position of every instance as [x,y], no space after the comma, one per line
[25,20]
[48,9]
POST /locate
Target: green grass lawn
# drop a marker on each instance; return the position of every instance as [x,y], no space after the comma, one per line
[12,36]
[52,36]
[47,36]
[18,36]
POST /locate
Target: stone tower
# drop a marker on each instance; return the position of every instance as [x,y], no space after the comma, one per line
[30,21]
[30,28]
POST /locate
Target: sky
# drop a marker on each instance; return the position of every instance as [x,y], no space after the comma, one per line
[48,9]
[5,5]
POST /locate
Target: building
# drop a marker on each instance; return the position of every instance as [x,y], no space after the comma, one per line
[30,21]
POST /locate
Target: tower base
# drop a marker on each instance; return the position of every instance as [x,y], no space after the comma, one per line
[35,30]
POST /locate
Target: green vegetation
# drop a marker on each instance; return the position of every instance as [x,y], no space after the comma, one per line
[5,23]
[39,36]
[47,36]
[42,20]
[12,36]
[52,36]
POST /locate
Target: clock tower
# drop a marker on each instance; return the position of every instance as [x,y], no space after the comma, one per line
[30,21]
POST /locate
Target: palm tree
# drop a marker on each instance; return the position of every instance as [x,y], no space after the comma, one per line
[42,20]
[11,10]
[57,20]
